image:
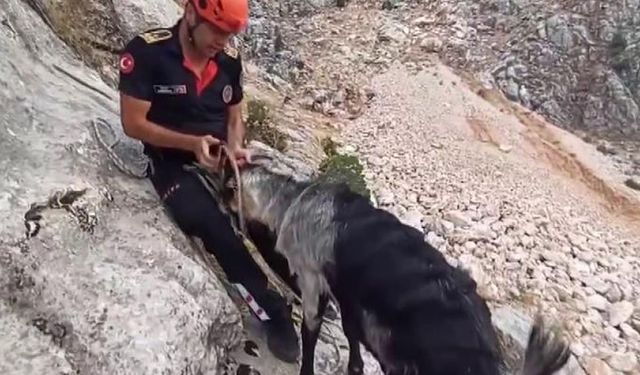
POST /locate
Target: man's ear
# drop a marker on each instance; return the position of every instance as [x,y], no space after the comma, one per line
[189,13]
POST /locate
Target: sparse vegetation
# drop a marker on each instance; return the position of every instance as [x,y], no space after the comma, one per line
[92,33]
[339,167]
[329,146]
[633,184]
[260,125]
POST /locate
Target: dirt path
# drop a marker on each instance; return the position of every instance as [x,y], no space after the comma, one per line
[570,156]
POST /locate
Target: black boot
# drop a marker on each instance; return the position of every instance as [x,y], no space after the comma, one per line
[282,338]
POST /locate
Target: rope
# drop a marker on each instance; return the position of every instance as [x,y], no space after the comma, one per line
[117,161]
[82,81]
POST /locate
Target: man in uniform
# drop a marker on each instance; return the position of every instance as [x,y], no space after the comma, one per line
[180,94]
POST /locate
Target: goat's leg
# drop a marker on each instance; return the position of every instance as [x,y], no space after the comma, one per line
[352,333]
[314,307]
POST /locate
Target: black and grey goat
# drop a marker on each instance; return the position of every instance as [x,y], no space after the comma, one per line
[397,295]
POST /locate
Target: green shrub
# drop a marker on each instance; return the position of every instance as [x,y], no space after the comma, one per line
[341,168]
[260,127]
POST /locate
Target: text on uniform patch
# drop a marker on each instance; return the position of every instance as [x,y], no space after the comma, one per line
[170,89]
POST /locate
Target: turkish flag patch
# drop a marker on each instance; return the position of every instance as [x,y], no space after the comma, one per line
[126,63]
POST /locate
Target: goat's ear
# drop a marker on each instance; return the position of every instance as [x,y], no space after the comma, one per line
[260,159]
[227,173]
[229,185]
[229,195]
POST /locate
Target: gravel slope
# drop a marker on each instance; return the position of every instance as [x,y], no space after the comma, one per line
[536,216]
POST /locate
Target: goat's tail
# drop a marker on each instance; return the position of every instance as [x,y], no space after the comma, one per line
[546,351]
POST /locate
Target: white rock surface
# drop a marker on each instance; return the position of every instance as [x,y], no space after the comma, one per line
[620,312]
[135,16]
[625,362]
[124,293]
[596,366]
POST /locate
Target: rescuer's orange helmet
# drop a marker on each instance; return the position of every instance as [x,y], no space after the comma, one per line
[229,15]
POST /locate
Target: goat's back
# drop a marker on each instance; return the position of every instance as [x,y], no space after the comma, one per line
[438,324]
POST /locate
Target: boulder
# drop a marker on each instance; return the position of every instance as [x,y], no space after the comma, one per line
[135,16]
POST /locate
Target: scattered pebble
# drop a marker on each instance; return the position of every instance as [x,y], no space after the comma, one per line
[595,366]
[597,302]
[624,362]
[620,312]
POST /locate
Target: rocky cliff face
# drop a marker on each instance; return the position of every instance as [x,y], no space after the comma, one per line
[575,62]
[96,30]
[99,281]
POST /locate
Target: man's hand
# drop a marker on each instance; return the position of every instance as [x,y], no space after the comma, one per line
[241,155]
[202,150]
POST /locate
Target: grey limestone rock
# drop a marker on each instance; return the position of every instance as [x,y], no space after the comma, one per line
[106,284]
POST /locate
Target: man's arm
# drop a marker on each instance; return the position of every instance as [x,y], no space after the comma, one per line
[133,115]
[236,128]
[235,125]
[136,92]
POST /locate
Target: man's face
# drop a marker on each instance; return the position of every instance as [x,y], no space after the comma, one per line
[207,37]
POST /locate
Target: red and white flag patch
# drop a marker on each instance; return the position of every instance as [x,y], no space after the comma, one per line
[126,63]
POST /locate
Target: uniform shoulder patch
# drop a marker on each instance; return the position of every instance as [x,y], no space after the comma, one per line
[155,36]
[231,51]
[127,63]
